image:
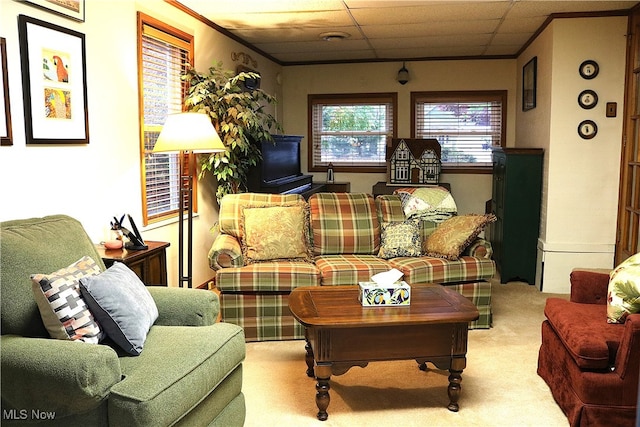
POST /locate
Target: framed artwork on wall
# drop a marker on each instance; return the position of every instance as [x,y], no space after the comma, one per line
[73,9]
[53,83]
[529,83]
[5,125]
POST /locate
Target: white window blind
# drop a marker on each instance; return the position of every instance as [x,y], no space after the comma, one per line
[163,61]
[351,130]
[466,125]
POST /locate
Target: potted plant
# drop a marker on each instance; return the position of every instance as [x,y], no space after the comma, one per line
[239,117]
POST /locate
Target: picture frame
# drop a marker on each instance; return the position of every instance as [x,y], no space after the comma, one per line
[6,137]
[73,9]
[53,83]
[529,84]
[248,84]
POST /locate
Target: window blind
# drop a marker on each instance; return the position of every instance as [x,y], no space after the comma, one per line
[351,130]
[465,125]
[163,61]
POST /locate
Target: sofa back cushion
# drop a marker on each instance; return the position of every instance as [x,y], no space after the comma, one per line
[31,246]
[231,208]
[344,223]
[389,208]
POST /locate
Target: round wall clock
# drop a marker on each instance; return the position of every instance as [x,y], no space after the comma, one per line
[587,129]
[589,69]
[588,99]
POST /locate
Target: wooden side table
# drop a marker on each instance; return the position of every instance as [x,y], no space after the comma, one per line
[337,187]
[150,265]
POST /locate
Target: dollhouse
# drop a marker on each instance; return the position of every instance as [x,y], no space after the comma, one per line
[413,161]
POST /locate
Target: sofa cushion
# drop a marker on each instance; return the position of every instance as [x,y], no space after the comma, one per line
[582,328]
[275,276]
[344,223]
[167,381]
[31,246]
[400,239]
[349,269]
[426,269]
[275,232]
[231,207]
[455,234]
[64,312]
[122,304]
[623,293]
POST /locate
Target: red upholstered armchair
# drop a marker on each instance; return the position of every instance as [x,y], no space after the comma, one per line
[591,366]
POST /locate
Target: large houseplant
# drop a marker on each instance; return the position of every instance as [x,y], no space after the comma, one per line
[240,118]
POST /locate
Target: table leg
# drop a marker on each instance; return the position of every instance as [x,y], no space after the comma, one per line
[309,359]
[323,374]
[455,378]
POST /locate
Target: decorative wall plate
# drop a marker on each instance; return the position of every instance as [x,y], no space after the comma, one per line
[589,69]
[588,99]
[587,129]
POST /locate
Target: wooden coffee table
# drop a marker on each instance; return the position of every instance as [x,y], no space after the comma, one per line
[340,333]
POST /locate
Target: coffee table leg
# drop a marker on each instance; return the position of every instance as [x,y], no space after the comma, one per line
[455,378]
[309,359]
[323,374]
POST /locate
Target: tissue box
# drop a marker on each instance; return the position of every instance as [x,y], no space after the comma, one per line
[396,294]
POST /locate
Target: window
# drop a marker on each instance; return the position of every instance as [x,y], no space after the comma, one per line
[466,124]
[163,55]
[351,131]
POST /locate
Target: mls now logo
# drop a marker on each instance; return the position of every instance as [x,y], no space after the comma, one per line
[24,414]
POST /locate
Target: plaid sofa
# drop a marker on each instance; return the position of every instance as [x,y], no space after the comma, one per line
[345,234]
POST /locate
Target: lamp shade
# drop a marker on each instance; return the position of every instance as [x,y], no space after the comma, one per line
[188,132]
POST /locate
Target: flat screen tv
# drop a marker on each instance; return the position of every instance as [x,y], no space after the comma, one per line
[280,161]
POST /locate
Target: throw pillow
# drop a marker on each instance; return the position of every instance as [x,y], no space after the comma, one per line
[275,232]
[452,236]
[400,239]
[122,304]
[64,313]
[623,293]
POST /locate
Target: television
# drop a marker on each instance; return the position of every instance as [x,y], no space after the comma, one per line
[279,171]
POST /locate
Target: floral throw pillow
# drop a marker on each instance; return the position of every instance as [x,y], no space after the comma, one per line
[452,236]
[623,294]
[400,239]
[275,233]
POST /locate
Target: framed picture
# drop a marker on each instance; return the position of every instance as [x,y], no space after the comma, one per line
[248,84]
[5,126]
[73,9]
[53,83]
[529,77]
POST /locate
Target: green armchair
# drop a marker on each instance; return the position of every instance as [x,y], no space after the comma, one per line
[189,373]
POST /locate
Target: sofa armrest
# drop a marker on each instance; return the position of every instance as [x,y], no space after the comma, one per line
[589,286]
[185,307]
[480,248]
[626,364]
[225,252]
[65,377]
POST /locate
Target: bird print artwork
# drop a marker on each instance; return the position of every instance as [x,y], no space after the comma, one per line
[55,66]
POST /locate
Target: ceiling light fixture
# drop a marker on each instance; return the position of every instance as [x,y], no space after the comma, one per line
[403,75]
[334,36]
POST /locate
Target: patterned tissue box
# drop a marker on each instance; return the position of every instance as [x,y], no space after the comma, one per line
[374,295]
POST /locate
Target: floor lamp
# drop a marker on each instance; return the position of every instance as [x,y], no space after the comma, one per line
[185,134]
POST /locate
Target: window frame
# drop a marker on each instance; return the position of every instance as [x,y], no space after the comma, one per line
[463,96]
[182,40]
[348,99]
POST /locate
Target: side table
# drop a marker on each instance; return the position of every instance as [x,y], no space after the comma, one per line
[150,265]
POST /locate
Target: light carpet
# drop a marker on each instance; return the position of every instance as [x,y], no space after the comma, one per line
[500,386]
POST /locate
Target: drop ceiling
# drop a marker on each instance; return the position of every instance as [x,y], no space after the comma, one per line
[289,31]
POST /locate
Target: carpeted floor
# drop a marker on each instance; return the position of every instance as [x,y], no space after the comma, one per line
[500,386]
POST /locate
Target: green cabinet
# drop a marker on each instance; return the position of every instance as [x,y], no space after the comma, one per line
[516,199]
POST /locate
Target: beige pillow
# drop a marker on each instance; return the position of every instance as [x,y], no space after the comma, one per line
[452,236]
[623,294]
[400,239]
[275,233]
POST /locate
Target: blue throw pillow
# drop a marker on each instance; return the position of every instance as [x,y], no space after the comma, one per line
[122,305]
